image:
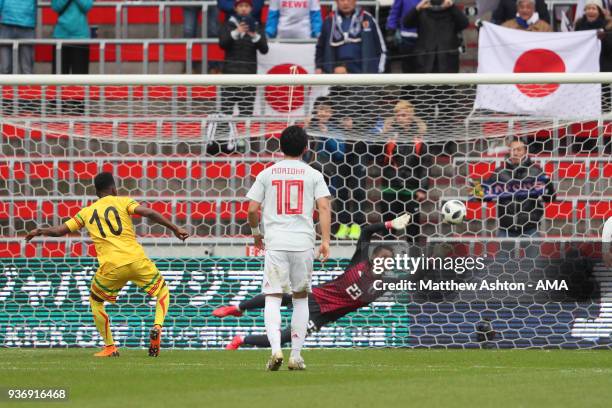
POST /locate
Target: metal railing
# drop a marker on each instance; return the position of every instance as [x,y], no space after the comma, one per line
[103,45]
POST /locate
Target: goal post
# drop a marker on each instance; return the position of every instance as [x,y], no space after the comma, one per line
[190,146]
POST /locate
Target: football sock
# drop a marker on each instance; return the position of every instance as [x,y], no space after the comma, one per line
[299,325]
[161,308]
[272,318]
[262,340]
[102,321]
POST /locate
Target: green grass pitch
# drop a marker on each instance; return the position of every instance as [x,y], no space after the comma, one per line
[369,378]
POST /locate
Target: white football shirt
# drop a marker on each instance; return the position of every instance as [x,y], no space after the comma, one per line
[288,191]
[293,17]
[606,235]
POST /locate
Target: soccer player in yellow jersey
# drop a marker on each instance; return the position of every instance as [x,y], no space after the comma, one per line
[121,258]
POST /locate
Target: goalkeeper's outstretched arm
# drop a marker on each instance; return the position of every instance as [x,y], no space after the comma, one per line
[363,244]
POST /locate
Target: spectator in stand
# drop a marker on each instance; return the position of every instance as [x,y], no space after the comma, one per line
[17,21]
[405,162]
[506,10]
[350,36]
[596,18]
[241,37]
[227,7]
[439,24]
[317,126]
[349,177]
[72,24]
[191,15]
[287,19]
[520,187]
[405,37]
[191,29]
[527,18]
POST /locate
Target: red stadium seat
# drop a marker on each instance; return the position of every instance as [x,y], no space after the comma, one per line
[174,169]
[257,168]
[481,170]
[68,209]
[601,210]
[224,170]
[10,249]
[53,249]
[203,211]
[47,209]
[78,170]
[475,210]
[563,210]
[40,170]
[163,207]
[4,210]
[25,209]
[129,169]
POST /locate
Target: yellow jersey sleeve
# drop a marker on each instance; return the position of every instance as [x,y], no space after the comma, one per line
[75,223]
[130,205]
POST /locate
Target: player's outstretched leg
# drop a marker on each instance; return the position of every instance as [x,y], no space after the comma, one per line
[299,328]
[256,302]
[272,319]
[257,340]
[103,325]
[161,308]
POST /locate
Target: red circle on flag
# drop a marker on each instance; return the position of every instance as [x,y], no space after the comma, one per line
[285,98]
[538,60]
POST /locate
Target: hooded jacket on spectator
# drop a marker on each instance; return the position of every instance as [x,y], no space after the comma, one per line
[519,191]
[398,13]
[21,13]
[438,38]
[72,23]
[362,49]
[241,53]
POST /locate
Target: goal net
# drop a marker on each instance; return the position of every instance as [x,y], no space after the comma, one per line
[528,155]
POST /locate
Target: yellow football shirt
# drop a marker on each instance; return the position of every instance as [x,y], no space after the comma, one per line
[109,224]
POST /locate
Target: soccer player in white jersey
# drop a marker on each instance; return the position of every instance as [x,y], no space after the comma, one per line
[287,193]
[606,239]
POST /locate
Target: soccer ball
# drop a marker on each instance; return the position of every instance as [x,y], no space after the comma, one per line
[453,212]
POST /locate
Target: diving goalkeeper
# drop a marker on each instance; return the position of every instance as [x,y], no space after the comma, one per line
[328,302]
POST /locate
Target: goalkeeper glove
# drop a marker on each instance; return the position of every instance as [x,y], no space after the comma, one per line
[399,223]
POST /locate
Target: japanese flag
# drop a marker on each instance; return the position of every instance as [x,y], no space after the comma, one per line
[504,50]
[287,58]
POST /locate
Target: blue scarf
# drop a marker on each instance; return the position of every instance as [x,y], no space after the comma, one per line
[530,187]
[339,37]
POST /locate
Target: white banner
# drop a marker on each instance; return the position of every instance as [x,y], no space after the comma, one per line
[504,50]
[284,58]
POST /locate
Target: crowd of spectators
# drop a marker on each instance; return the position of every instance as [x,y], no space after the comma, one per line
[425,36]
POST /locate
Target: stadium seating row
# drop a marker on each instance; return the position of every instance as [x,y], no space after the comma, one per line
[183,129]
[243,166]
[195,209]
[199,208]
[561,167]
[135,168]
